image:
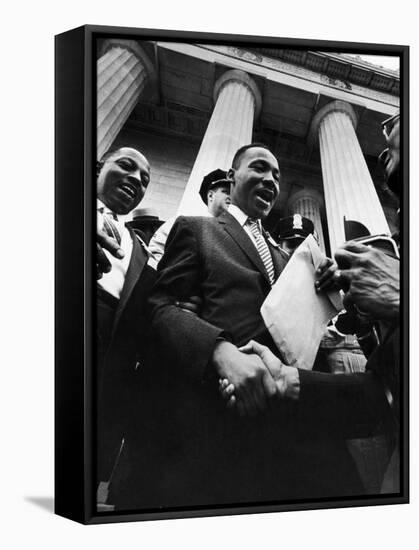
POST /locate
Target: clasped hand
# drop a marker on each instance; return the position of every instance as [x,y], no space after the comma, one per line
[251,377]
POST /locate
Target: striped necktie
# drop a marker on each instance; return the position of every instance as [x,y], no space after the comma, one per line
[110,227]
[262,248]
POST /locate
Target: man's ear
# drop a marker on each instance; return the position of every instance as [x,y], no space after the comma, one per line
[210,194]
[230,175]
[99,165]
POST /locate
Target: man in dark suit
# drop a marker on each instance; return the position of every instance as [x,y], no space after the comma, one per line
[125,276]
[357,404]
[211,454]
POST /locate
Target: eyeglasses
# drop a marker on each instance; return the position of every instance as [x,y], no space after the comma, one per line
[389,124]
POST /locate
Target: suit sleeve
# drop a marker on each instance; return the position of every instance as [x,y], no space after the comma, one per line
[187,339]
[355,405]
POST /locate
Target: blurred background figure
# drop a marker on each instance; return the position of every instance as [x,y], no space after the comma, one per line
[291,232]
[145,221]
[214,191]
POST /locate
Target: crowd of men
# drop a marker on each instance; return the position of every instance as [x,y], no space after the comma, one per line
[194,405]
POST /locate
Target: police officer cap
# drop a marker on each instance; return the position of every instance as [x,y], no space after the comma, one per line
[294,227]
[211,181]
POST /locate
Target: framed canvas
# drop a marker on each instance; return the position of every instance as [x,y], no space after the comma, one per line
[173,399]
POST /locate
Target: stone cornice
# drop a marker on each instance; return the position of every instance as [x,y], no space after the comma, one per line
[339,66]
[287,73]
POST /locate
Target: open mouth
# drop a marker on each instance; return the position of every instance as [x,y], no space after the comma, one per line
[129,190]
[266,196]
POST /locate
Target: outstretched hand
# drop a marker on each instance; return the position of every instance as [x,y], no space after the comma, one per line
[325,276]
[371,279]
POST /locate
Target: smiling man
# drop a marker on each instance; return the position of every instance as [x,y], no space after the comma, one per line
[122,178]
[207,454]
[123,286]
[231,263]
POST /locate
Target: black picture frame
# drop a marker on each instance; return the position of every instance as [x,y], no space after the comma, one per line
[75,170]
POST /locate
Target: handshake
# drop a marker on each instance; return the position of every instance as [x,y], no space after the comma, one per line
[252,377]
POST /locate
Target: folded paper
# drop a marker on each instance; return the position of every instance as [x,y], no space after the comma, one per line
[294,313]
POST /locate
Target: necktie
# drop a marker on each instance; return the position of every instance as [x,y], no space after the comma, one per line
[110,227]
[262,248]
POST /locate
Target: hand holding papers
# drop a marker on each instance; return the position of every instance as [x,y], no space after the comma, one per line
[294,313]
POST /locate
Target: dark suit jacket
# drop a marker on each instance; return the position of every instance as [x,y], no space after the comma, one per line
[122,351]
[356,404]
[203,453]
[215,259]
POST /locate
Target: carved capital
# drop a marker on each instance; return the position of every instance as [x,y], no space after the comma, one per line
[311,194]
[237,75]
[336,106]
[134,47]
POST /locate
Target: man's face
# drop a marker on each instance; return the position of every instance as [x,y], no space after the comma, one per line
[255,186]
[123,179]
[290,245]
[218,200]
[390,157]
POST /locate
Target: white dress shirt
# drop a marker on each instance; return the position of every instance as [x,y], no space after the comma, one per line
[242,218]
[157,242]
[113,281]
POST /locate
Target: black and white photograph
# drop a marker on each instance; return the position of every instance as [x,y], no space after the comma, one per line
[249,219]
[209,304]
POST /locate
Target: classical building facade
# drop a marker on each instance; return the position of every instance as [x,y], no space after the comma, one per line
[189,107]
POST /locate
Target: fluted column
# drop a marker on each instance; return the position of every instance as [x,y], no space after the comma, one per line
[308,203]
[237,103]
[123,71]
[348,188]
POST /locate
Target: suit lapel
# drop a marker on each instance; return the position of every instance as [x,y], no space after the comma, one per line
[242,239]
[139,259]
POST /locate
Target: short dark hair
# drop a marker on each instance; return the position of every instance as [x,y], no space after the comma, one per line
[240,152]
[109,153]
[114,150]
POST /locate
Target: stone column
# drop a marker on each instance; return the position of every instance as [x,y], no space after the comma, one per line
[348,188]
[308,203]
[237,103]
[123,71]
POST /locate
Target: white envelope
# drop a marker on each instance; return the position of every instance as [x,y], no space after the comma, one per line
[294,313]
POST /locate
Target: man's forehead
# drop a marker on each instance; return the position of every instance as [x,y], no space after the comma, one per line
[129,152]
[225,187]
[260,152]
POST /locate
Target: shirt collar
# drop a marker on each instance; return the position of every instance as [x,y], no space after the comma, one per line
[240,216]
[120,217]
